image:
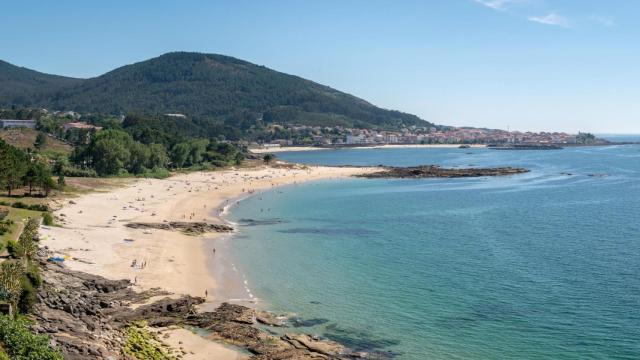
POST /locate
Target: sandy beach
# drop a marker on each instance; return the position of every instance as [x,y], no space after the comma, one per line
[385,146]
[269,150]
[93,237]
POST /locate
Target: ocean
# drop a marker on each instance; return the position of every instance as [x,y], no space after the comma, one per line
[544,265]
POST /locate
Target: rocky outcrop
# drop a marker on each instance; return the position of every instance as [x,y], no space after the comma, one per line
[85,316]
[190,228]
[302,341]
[83,313]
[434,171]
[270,319]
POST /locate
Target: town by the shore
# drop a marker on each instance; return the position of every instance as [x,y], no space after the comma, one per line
[277,148]
[94,237]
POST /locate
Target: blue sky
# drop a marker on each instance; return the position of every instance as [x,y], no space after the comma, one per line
[563,65]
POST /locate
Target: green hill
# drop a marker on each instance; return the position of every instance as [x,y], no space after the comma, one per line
[200,86]
[22,86]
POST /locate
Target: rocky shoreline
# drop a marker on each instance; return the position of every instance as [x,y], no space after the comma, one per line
[189,228]
[434,171]
[86,316]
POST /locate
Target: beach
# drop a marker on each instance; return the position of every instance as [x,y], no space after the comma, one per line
[93,236]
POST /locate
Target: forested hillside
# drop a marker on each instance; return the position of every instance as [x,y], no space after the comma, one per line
[20,85]
[202,86]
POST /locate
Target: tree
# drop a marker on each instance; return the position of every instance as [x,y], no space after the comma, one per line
[30,177]
[179,154]
[109,157]
[61,182]
[157,156]
[109,151]
[41,141]
[198,148]
[14,163]
[27,245]
[267,158]
[39,174]
[45,181]
[139,158]
[239,158]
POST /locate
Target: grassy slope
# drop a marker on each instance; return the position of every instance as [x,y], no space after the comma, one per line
[24,138]
[18,216]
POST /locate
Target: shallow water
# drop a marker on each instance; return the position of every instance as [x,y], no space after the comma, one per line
[540,265]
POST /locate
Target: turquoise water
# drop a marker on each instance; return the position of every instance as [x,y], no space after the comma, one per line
[543,265]
[621,137]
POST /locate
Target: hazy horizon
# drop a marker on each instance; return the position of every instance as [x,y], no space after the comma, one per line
[528,65]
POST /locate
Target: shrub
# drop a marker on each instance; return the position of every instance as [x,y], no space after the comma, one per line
[267,158]
[143,345]
[21,344]
[28,297]
[155,173]
[11,274]
[12,248]
[47,218]
[38,207]
[19,205]
[77,172]
[5,226]
[3,355]
[33,273]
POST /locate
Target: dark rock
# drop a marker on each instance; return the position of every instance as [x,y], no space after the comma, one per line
[270,319]
[191,228]
[433,171]
[84,315]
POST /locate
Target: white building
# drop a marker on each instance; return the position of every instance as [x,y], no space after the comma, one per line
[8,123]
[392,138]
[356,139]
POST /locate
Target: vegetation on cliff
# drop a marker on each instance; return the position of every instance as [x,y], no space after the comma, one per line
[19,280]
[20,343]
[144,345]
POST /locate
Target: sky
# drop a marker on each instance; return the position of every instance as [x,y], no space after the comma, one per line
[530,65]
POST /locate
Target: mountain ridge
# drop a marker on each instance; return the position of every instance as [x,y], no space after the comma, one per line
[19,83]
[202,86]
